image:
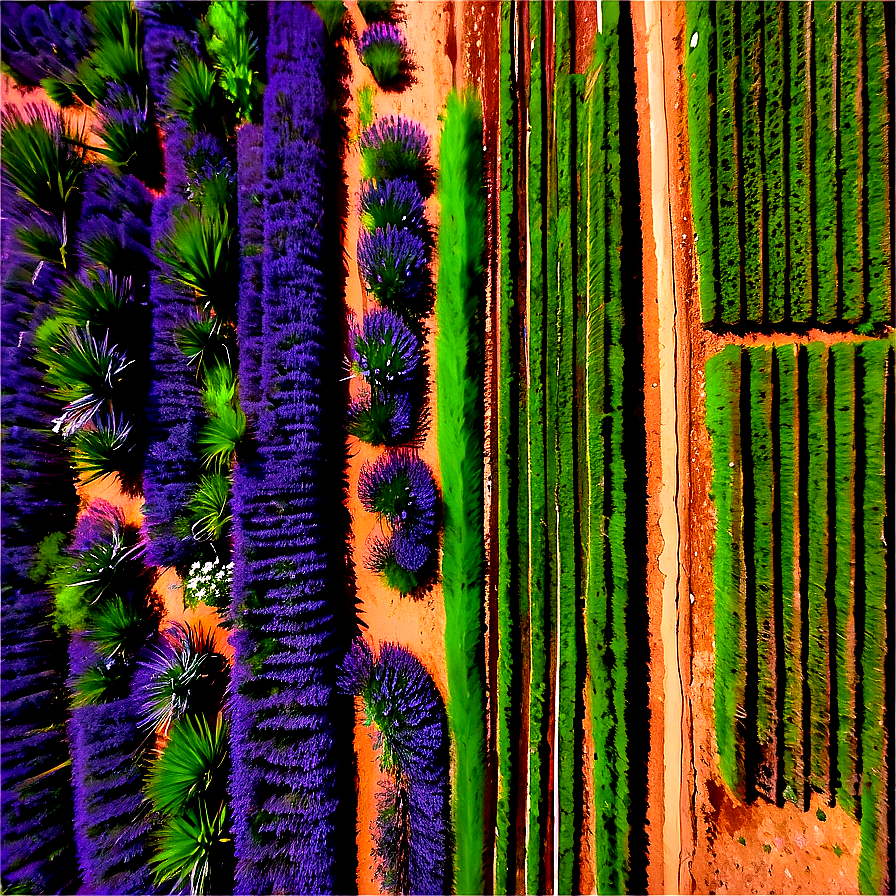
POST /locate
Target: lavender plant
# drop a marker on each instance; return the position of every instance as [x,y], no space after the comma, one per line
[394,146]
[397,202]
[403,704]
[383,49]
[385,352]
[394,263]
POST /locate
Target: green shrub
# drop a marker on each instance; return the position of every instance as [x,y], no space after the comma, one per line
[232,49]
[117,56]
[101,683]
[818,662]
[387,61]
[376,10]
[191,846]
[824,148]
[723,384]
[751,152]
[105,450]
[208,510]
[226,425]
[459,368]
[698,63]
[206,343]
[332,12]
[194,95]
[365,106]
[120,628]
[878,182]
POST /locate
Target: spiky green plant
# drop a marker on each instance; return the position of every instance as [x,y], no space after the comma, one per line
[459,375]
[117,57]
[43,158]
[206,343]
[128,144]
[42,240]
[95,303]
[232,49]
[120,628]
[102,682]
[226,425]
[208,510]
[191,768]
[190,847]
[198,255]
[88,374]
[194,95]
[187,677]
[332,12]
[104,450]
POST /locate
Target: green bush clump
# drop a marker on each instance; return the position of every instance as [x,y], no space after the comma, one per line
[332,12]
[225,428]
[459,367]
[195,96]
[818,662]
[723,384]
[232,49]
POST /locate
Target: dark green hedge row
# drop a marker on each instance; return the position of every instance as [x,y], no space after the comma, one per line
[788,128]
[799,488]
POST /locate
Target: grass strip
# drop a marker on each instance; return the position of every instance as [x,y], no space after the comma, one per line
[793,784]
[752,175]
[878,183]
[773,135]
[843,557]
[504,828]
[851,126]
[818,662]
[824,148]
[723,425]
[799,160]
[565,118]
[875,358]
[459,376]
[728,163]
[697,66]
[763,538]
[536,425]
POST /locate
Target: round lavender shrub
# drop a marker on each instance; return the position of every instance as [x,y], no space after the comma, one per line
[397,202]
[394,146]
[394,265]
[383,49]
[385,352]
[381,419]
[398,486]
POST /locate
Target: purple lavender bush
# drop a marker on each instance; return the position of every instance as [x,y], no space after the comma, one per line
[403,703]
[288,549]
[383,49]
[397,202]
[394,146]
[394,263]
[37,854]
[112,826]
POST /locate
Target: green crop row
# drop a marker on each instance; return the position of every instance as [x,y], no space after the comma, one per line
[537,510]
[460,364]
[723,384]
[504,478]
[773,135]
[752,175]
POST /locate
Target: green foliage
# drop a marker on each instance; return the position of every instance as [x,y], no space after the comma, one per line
[876,358]
[697,66]
[47,557]
[41,240]
[459,375]
[129,147]
[117,56]
[791,622]
[878,183]
[120,629]
[59,92]
[376,10]
[386,61]
[195,96]
[191,768]
[87,374]
[799,139]
[396,577]
[332,12]
[818,662]
[763,502]
[226,426]
[773,133]
[199,251]
[505,830]
[728,162]
[750,40]
[188,678]
[96,303]
[842,533]
[365,106]
[824,145]
[190,847]
[206,343]
[723,425]
[208,509]
[105,450]
[232,49]
[43,158]
[101,683]
[371,419]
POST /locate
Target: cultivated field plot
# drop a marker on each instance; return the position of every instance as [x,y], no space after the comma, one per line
[446,447]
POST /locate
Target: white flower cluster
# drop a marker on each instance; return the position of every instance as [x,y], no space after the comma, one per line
[208,582]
